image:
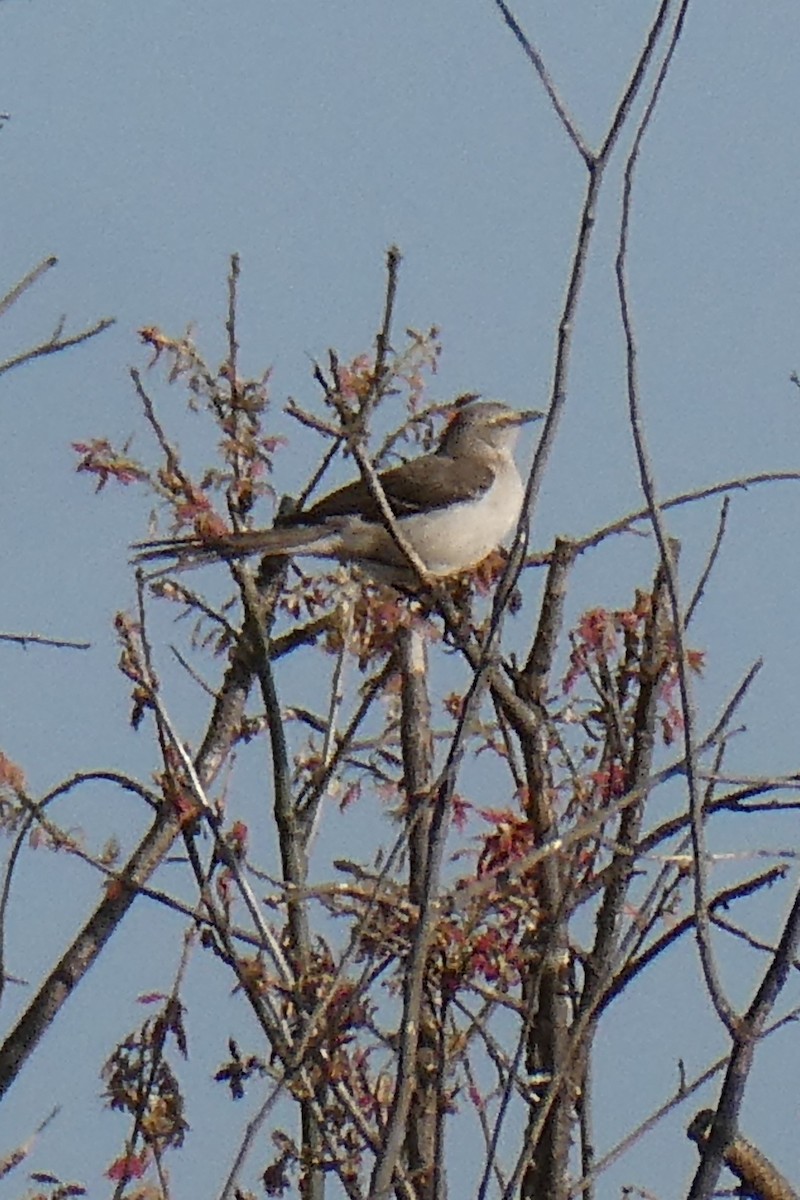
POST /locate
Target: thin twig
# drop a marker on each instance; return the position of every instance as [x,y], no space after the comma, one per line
[38,639]
[384,335]
[623,524]
[535,58]
[647,480]
[709,567]
[26,282]
[56,343]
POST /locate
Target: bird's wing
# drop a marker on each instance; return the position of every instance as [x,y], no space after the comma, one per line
[421,485]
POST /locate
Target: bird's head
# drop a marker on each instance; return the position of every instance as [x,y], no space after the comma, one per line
[485,423]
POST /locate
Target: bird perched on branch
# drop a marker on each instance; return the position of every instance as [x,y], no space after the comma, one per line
[450,509]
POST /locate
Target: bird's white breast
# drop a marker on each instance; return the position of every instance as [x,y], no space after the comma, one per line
[457,537]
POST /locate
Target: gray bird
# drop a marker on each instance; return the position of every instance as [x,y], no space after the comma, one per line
[453,507]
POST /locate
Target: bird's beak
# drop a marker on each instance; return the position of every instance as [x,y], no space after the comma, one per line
[525,416]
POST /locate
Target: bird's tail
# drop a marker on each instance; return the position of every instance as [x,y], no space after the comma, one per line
[277,543]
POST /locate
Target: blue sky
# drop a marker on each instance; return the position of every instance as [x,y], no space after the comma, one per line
[146,142]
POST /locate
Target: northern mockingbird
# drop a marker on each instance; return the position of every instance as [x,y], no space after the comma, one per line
[452,507]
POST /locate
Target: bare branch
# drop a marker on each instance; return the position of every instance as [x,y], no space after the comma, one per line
[749,1029]
[709,567]
[55,343]
[752,1168]
[26,282]
[536,59]
[646,474]
[38,639]
[685,1089]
